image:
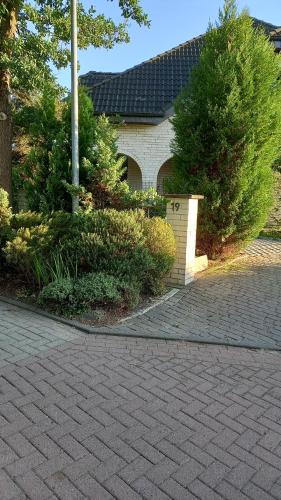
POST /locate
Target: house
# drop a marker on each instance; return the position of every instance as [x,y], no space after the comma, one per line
[143,96]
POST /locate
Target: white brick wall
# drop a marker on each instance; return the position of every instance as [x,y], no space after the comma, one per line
[149,146]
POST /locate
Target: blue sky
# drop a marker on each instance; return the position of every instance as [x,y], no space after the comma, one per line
[172,22]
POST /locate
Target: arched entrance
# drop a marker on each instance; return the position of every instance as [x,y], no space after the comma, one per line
[165,172]
[133,173]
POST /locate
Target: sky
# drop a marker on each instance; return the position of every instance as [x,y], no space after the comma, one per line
[172,22]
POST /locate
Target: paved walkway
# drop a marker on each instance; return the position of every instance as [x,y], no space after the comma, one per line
[102,418]
[237,305]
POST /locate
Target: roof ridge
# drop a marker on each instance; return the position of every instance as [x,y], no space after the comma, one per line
[101,73]
[154,58]
[265,22]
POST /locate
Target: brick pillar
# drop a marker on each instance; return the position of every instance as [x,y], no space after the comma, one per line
[182,215]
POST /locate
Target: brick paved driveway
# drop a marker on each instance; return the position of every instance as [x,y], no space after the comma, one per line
[104,417]
[239,305]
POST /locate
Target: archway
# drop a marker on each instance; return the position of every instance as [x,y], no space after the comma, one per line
[165,172]
[133,173]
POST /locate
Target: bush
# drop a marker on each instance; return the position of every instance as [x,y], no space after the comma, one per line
[27,219]
[159,237]
[5,210]
[227,132]
[75,296]
[5,218]
[125,244]
[26,247]
[149,200]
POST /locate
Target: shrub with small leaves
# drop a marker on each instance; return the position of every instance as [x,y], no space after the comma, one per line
[5,217]
[5,210]
[27,219]
[75,296]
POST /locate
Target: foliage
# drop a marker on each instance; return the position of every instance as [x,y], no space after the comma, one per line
[119,243]
[106,169]
[5,210]
[159,237]
[35,38]
[27,219]
[43,36]
[149,200]
[271,232]
[26,247]
[5,218]
[228,132]
[75,296]
[45,171]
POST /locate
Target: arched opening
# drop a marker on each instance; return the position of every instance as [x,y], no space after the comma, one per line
[165,172]
[133,173]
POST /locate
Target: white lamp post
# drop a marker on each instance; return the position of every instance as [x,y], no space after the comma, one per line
[74,105]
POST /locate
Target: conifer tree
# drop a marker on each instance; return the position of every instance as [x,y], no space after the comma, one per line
[228,132]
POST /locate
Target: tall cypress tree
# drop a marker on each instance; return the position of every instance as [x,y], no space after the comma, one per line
[228,132]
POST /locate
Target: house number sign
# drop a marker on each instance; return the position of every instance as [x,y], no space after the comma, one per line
[175,206]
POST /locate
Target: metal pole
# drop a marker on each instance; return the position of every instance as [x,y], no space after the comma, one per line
[74,105]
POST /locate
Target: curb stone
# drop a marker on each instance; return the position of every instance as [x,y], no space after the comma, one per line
[137,334]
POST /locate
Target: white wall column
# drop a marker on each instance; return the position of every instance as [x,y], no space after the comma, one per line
[182,215]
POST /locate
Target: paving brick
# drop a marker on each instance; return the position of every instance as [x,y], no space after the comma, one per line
[255,493]
[33,487]
[240,475]
[63,488]
[214,474]
[188,472]
[148,451]
[25,464]
[92,489]
[148,490]
[135,470]
[203,491]
[53,466]
[7,454]
[121,490]
[176,491]
[266,476]
[161,471]
[8,488]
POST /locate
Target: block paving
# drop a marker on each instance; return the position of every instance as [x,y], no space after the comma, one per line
[100,417]
[237,305]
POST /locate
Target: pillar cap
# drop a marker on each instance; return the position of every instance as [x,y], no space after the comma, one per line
[185,196]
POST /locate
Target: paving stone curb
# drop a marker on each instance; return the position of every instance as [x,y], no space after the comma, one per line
[133,334]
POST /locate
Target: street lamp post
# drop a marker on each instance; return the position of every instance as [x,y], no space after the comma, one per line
[74,106]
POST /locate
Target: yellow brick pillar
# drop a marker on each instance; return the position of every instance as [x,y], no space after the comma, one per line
[182,215]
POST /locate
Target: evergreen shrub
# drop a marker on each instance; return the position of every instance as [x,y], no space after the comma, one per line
[228,132]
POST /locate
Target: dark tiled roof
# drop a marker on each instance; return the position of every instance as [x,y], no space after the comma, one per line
[95,77]
[149,89]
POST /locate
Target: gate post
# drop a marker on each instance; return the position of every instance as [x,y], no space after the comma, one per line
[182,215]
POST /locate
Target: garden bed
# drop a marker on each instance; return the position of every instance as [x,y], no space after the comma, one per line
[15,288]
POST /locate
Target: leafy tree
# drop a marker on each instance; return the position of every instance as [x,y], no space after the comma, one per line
[45,172]
[228,132]
[35,34]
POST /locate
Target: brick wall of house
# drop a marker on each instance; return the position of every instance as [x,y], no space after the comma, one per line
[148,146]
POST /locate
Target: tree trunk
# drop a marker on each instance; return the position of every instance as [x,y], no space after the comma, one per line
[8,26]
